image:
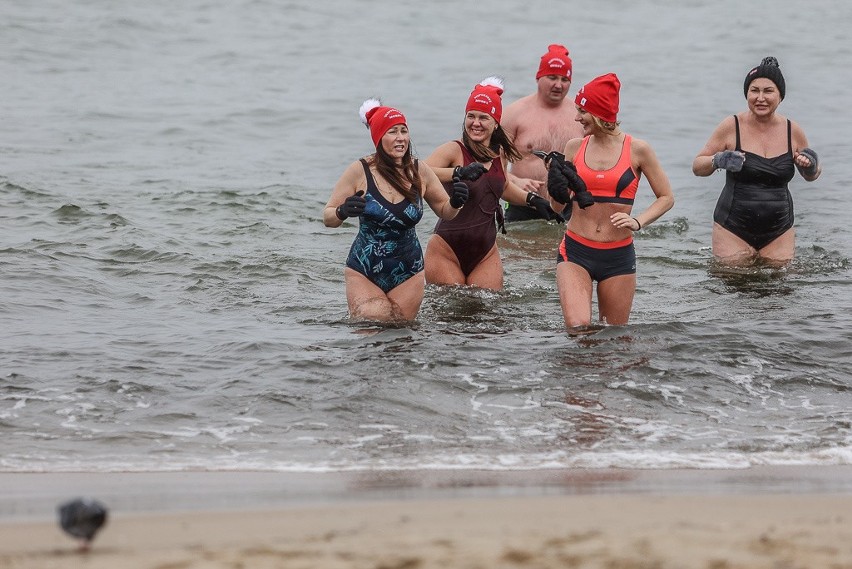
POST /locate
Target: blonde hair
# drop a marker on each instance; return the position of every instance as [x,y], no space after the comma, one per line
[606,126]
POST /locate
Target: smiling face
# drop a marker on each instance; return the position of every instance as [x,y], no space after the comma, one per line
[395,142]
[553,88]
[586,121]
[479,126]
[763,96]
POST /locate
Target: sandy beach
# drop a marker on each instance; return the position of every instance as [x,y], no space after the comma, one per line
[766,518]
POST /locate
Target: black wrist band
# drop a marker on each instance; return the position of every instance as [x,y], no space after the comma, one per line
[530,198]
[637,223]
[456,172]
[339,215]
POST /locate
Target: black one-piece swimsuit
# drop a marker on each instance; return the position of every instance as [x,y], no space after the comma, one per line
[755,204]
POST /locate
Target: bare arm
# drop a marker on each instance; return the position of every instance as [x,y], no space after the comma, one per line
[802,161]
[649,165]
[527,184]
[571,148]
[512,123]
[723,138]
[444,159]
[435,194]
[514,192]
[350,182]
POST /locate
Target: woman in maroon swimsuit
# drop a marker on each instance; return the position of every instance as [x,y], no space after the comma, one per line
[463,251]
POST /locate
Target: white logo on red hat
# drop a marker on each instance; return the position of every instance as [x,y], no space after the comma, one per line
[556,64]
[583,102]
[485,100]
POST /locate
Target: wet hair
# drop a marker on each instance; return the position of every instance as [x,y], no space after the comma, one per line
[406,180]
[770,69]
[499,141]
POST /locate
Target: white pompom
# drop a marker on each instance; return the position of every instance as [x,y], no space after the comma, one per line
[366,107]
[494,81]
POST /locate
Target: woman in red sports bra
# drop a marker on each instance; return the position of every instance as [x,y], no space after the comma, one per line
[598,241]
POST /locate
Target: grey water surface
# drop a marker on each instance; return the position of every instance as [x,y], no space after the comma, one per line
[170,299]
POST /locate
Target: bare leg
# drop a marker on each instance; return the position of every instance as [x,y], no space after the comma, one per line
[369,302]
[730,249]
[489,272]
[442,265]
[781,250]
[408,296]
[575,294]
[615,299]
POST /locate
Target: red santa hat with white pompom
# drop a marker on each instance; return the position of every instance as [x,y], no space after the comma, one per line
[379,119]
[485,97]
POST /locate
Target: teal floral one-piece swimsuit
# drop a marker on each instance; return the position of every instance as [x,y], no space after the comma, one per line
[386,249]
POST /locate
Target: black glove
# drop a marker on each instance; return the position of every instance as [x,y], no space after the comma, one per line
[352,207]
[548,156]
[557,184]
[811,170]
[542,207]
[731,160]
[582,195]
[471,172]
[459,195]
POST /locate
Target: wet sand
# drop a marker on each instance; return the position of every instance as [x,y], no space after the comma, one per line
[773,518]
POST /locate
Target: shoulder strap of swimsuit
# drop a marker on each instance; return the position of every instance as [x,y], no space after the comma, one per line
[627,148]
[420,193]
[789,137]
[371,183]
[581,151]
[737,127]
[467,157]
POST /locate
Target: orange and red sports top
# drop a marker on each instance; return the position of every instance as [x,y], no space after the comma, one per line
[616,185]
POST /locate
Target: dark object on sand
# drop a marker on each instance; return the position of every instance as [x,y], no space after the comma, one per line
[82,518]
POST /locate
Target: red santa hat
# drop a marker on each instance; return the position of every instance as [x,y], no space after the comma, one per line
[600,97]
[555,62]
[485,98]
[379,119]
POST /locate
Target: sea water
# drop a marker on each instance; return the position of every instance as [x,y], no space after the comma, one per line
[170,298]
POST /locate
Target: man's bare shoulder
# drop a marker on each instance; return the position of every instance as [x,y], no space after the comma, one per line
[518,108]
[522,102]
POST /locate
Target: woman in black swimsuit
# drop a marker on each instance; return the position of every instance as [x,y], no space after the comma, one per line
[758,149]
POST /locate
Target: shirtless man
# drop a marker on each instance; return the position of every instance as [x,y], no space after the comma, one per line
[544,121]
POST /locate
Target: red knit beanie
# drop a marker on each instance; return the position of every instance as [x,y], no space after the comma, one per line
[600,97]
[379,119]
[485,98]
[555,62]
